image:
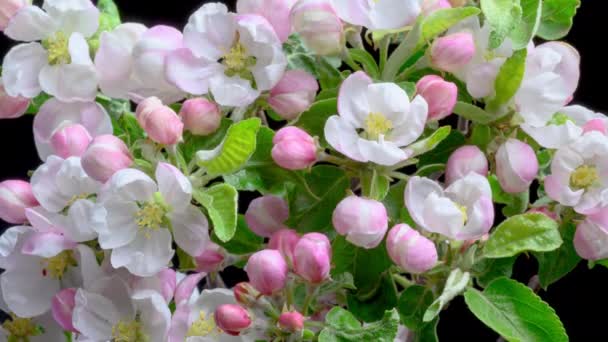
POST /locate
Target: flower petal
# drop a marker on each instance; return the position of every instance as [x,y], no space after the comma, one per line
[189,73]
[74,15]
[413,126]
[46,244]
[154,313]
[343,137]
[381,152]
[233,91]
[174,186]
[416,192]
[353,103]
[70,82]
[29,24]
[146,255]
[131,185]
[26,291]
[80,221]
[20,69]
[118,227]
[210,31]
[94,315]
[190,230]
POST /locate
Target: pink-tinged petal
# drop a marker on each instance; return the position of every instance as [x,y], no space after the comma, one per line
[393,14]
[462,161]
[516,166]
[190,229]
[186,287]
[62,308]
[210,31]
[174,186]
[267,214]
[443,216]
[553,136]
[132,185]
[74,16]
[233,91]
[275,11]
[569,65]
[80,221]
[353,104]
[480,218]
[190,73]
[21,67]
[47,245]
[559,191]
[146,255]
[416,192]
[44,185]
[29,24]
[591,237]
[355,12]
[12,107]
[413,126]
[381,152]
[179,323]
[70,82]
[343,137]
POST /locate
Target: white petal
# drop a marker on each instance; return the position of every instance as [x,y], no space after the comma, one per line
[146,255]
[354,11]
[413,126]
[72,180]
[81,220]
[343,137]
[27,292]
[46,244]
[79,49]
[69,82]
[416,192]
[29,24]
[116,289]
[389,100]
[88,270]
[190,230]
[210,31]
[74,15]
[44,187]
[120,228]
[580,114]
[441,215]
[469,188]
[381,152]
[353,103]
[553,136]
[154,313]
[132,185]
[393,14]
[94,315]
[233,91]
[20,70]
[540,97]
[189,73]
[174,186]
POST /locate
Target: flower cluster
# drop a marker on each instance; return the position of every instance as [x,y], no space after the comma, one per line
[357,190]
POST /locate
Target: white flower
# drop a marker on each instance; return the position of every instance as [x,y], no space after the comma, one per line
[41,328]
[375,121]
[60,65]
[108,311]
[579,174]
[378,14]
[234,57]
[137,214]
[463,211]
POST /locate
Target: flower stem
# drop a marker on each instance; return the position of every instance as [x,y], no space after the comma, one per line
[403,281]
[312,292]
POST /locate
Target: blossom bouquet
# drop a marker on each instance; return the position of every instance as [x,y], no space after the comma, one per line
[363,162]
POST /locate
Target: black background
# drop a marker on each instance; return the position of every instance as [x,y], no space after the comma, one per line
[580,299]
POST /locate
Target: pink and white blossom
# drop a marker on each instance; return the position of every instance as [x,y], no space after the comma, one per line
[465,159]
[105,156]
[312,257]
[378,15]
[275,11]
[12,107]
[319,26]
[591,236]
[267,271]
[294,149]
[516,166]
[363,221]
[294,94]
[15,197]
[200,116]
[410,250]
[267,215]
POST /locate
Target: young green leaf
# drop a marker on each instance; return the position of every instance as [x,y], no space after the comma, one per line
[523,33]
[367,61]
[456,283]
[508,80]
[221,204]
[374,185]
[412,304]
[515,312]
[474,113]
[486,270]
[429,143]
[440,153]
[526,232]
[342,326]
[554,265]
[439,21]
[557,17]
[371,309]
[503,16]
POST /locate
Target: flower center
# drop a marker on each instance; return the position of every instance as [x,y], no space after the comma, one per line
[76,198]
[559,119]
[151,214]
[377,124]
[463,211]
[20,329]
[57,47]
[203,326]
[237,61]
[56,266]
[583,177]
[131,331]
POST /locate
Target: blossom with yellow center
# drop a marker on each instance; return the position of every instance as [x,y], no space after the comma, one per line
[57,47]
[463,210]
[20,329]
[583,177]
[151,214]
[129,331]
[377,124]
[56,266]
[203,326]
[237,61]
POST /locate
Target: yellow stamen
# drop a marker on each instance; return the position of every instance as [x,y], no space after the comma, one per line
[20,329]
[129,332]
[56,266]
[238,61]
[377,124]
[58,49]
[584,177]
[76,198]
[463,210]
[203,326]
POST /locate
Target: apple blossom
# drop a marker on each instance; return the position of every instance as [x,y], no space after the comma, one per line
[294,149]
[210,259]
[591,236]
[12,107]
[439,94]
[200,116]
[60,64]
[291,321]
[266,215]
[319,26]
[267,271]
[452,52]
[232,318]
[312,257]
[465,159]
[275,11]
[15,197]
[294,94]
[105,156]
[8,9]
[70,140]
[410,250]
[41,328]
[284,241]
[384,115]
[235,57]
[463,211]
[578,174]
[516,166]
[378,15]
[363,221]
[160,122]
[62,308]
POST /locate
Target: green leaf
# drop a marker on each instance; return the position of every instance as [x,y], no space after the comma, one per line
[234,151]
[395,206]
[439,21]
[193,143]
[527,232]
[341,327]
[109,8]
[372,309]
[456,283]
[313,120]
[552,266]
[430,169]
[412,304]
[366,265]
[366,60]
[441,153]
[221,204]
[486,270]
[431,142]
[186,262]
[374,185]
[474,113]
[509,79]
[428,332]
[329,185]
[515,312]
[244,240]
[557,17]
[523,33]
[503,16]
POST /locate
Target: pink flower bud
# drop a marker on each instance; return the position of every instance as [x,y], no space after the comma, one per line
[159,121]
[430,6]
[516,166]
[294,149]
[410,250]
[439,94]
[319,26]
[15,197]
[200,116]
[452,52]
[294,94]
[210,259]
[265,215]
[62,308]
[232,318]
[292,321]
[8,8]
[599,124]
[591,237]
[312,257]
[11,107]
[245,294]
[363,221]
[105,156]
[267,271]
[71,141]
[168,283]
[465,159]
[284,241]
